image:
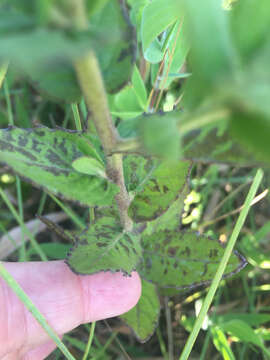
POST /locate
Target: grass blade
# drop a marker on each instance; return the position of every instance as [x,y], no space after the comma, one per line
[213,288]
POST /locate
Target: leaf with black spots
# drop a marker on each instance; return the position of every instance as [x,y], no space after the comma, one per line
[136,171]
[183,259]
[143,318]
[105,246]
[117,58]
[44,157]
[160,190]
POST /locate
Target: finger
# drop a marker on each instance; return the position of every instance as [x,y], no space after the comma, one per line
[65,299]
[41,352]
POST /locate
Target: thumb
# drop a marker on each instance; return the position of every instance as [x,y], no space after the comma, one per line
[64,298]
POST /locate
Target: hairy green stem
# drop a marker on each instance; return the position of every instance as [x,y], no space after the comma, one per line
[91,83]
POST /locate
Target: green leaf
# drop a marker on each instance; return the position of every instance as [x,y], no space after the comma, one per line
[252,131]
[172,218]
[160,135]
[143,318]
[252,319]
[116,58]
[89,166]
[57,81]
[105,246]
[136,171]
[212,145]
[172,258]
[48,67]
[44,157]
[156,17]
[249,39]
[221,343]
[212,55]
[159,191]
[27,48]
[243,331]
[94,6]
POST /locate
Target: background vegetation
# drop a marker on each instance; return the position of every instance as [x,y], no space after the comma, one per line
[210,68]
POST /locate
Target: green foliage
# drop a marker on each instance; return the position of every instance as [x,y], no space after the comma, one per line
[172,258]
[44,157]
[161,188]
[223,117]
[105,246]
[143,318]
[118,57]
[166,142]
[156,17]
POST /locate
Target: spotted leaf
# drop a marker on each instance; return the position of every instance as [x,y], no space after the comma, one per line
[44,157]
[116,58]
[105,246]
[143,318]
[160,190]
[183,259]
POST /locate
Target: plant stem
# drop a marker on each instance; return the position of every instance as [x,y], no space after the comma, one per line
[91,83]
[222,266]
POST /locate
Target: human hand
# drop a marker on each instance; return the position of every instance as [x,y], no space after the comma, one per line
[64,298]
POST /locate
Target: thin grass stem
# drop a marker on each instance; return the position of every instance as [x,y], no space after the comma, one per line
[222,266]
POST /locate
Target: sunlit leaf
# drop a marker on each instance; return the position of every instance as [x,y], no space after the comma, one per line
[221,343]
[90,166]
[105,246]
[156,17]
[162,187]
[183,259]
[44,157]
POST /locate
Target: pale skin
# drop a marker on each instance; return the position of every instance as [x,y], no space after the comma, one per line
[65,299]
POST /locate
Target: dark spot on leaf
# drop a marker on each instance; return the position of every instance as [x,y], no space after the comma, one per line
[124,246]
[124,53]
[22,140]
[40,132]
[155,186]
[165,189]
[184,273]
[165,272]
[172,250]
[54,158]
[175,265]
[35,145]
[148,263]
[186,251]
[205,269]
[100,244]
[213,253]
[62,146]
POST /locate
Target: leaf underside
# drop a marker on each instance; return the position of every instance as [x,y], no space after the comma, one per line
[183,259]
[44,156]
[105,247]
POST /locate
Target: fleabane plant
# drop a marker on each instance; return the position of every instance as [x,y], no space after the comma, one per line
[134,174]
